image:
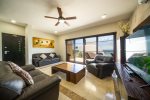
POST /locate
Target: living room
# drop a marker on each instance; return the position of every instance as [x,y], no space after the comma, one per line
[61,41]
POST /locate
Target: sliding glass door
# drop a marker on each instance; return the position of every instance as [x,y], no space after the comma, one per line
[70,50]
[90,47]
[80,49]
[106,45]
[74,50]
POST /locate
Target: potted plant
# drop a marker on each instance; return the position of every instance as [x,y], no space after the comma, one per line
[124,26]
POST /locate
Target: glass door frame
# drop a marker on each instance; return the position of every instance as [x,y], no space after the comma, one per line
[85,44]
[74,50]
[98,35]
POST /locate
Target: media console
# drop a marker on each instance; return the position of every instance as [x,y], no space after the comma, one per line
[130,84]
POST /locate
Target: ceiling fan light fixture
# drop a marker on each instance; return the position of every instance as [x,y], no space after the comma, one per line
[61,20]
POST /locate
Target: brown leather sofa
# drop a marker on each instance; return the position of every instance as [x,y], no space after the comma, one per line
[13,87]
[101,66]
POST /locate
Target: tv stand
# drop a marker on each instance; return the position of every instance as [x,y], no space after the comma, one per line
[131,87]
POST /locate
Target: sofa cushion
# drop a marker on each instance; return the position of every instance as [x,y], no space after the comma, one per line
[28,67]
[98,65]
[39,78]
[11,85]
[103,59]
[45,62]
[52,55]
[108,59]
[43,85]
[35,73]
[39,88]
[41,62]
[55,60]
[36,55]
[15,68]
[92,65]
[12,82]
[22,73]
[26,76]
[4,68]
[49,57]
[99,59]
[43,56]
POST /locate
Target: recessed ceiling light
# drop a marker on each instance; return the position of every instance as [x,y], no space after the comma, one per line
[55,31]
[13,21]
[104,16]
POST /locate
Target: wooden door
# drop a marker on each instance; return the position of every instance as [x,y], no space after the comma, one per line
[13,48]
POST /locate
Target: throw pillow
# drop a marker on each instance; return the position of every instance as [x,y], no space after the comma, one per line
[43,56]
[22,73]
[52,55]
[108,59]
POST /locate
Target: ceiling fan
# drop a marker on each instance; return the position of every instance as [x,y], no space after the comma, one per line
[61,19]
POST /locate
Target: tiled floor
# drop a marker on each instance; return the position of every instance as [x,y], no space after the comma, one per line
[63,97]
[89,87]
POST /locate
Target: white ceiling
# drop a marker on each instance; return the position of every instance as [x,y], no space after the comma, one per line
[88,12]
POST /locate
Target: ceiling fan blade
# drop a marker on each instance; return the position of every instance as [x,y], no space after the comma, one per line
[59,11]
[57,23]
[70,18]
[51,17]
[66,23]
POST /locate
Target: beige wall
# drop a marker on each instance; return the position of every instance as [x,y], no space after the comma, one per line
[11,29]
[28,32]
[140,14]
[59,41]
[112,27]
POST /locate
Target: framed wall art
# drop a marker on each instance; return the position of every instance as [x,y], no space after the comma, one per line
[42,43]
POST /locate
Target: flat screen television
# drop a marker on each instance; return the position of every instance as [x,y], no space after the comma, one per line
[138,53]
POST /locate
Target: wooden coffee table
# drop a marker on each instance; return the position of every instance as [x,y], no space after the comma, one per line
[74,72]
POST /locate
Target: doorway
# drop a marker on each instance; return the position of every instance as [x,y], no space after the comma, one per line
[13,48]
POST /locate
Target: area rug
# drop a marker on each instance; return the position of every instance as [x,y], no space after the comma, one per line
[72,95]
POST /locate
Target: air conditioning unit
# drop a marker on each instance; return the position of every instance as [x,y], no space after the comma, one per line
[142,1]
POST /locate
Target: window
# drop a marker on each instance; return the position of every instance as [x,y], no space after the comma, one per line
[80,49]
[105,45]
[70,50]
[90,47]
